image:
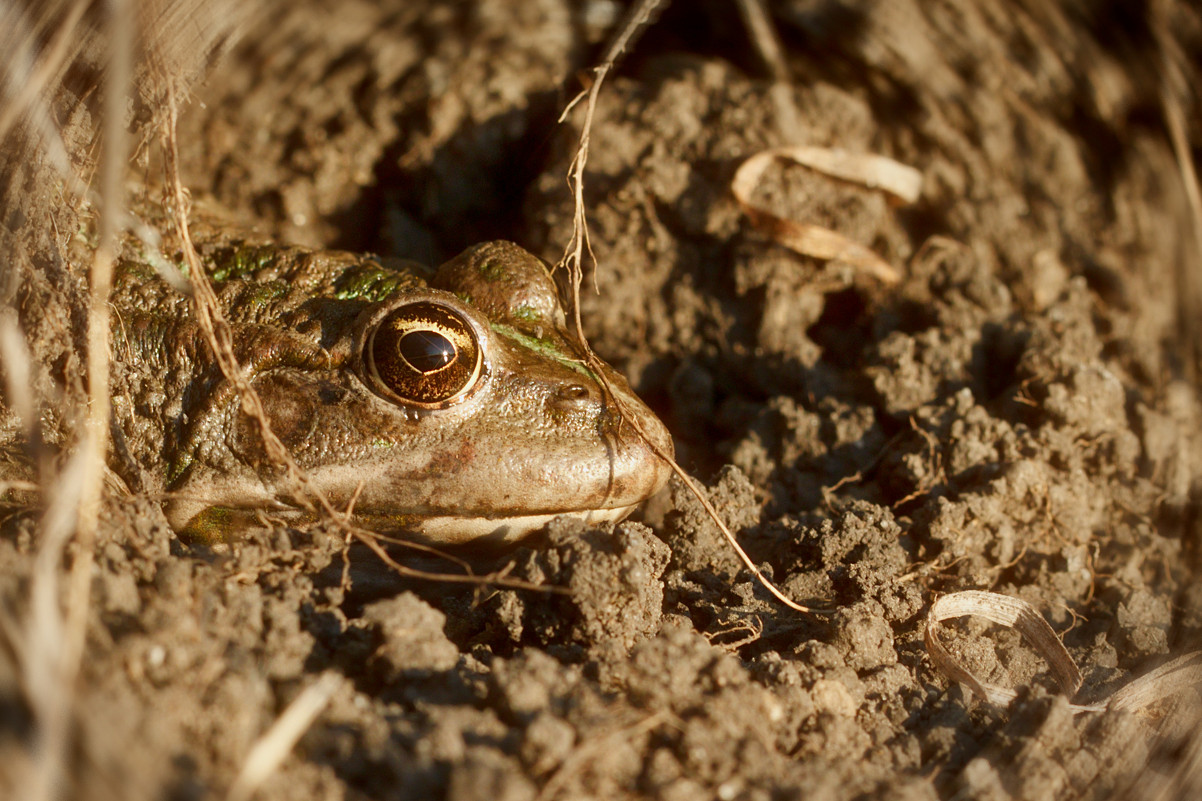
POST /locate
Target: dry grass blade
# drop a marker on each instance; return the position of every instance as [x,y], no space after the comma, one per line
[1177,89]
[1178,675]
[1181,674]
[764,37]
[29,73]
[274,746]
[875,172]
[18,371]
[50,661]
[118,82]
[56,635]
[1012,612]
[1190,282]
[903,182]
[40,74]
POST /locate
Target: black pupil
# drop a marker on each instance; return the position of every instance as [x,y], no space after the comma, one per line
[427,351]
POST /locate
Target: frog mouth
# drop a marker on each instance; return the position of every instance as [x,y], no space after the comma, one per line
[451,531]
[218,524]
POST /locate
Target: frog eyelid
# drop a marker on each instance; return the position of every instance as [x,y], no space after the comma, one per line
[427,350]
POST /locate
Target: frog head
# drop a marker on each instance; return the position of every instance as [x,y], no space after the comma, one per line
[458,411]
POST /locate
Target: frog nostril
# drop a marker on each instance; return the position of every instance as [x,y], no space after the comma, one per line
[572,392]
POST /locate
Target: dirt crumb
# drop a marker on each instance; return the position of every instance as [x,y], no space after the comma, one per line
[412,639]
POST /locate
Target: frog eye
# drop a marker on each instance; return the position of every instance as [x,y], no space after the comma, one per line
[424,354]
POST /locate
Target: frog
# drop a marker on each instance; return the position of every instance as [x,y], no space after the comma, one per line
[453,405]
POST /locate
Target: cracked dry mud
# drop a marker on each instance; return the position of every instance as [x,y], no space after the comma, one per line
[1014,415]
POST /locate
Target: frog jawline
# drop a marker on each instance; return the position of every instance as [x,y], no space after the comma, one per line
[502,530]
[215,525]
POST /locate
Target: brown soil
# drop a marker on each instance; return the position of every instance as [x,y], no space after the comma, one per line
[1018,414]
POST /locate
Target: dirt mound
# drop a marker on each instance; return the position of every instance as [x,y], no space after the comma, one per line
[1017,413]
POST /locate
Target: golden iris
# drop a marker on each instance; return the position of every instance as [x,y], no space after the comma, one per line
[425,354]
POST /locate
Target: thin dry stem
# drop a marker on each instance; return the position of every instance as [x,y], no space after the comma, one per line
[767,44]
[753,628]
[214,326]
[497,579]
[573,260]
[637,20]
[734,543]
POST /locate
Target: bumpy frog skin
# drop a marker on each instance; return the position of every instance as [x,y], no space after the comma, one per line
[455,409]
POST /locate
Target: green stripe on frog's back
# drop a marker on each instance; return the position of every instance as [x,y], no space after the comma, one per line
[526,314]
[546,347]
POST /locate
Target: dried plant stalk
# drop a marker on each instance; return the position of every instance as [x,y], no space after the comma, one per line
[573,259]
